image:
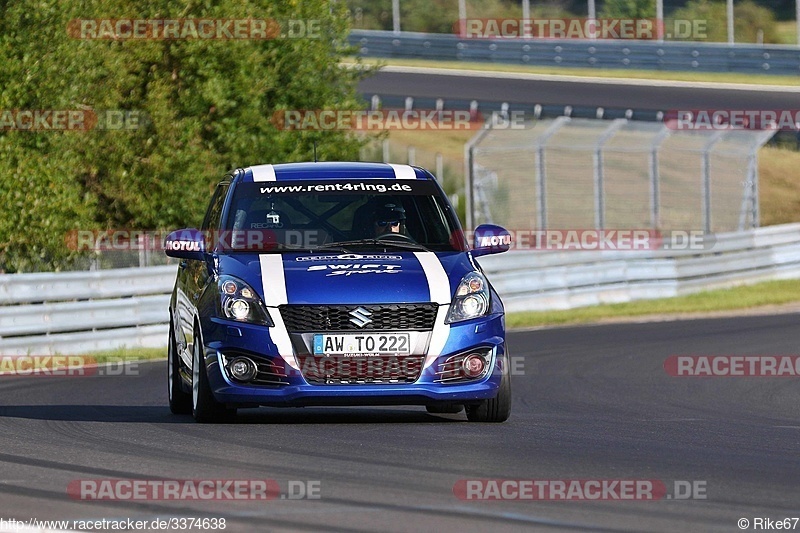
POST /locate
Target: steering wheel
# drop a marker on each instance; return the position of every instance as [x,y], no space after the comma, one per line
[394,237]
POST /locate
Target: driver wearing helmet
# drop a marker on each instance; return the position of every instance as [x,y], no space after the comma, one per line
[389,218]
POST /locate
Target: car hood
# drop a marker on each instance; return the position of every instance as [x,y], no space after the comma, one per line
[356,278]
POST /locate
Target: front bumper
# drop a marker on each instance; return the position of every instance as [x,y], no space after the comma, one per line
[221,337]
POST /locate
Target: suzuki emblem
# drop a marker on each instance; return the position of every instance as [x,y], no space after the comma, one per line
[361,317]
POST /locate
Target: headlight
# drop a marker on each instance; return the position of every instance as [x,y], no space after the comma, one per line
[471,299]
[238,301]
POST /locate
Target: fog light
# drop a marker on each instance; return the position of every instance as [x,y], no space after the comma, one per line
[474,365]
[242,369]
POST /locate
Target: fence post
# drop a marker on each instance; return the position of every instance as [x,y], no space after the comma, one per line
[706,192]
[749,200]
[469,174]
[396,17]
[655,178]
[597,160]
[141,241]
[754,185]
[539,183]
[386,154]
[706,177]
[540,176]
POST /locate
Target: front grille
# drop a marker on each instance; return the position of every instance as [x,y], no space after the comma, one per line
[270,372]
[384,317]
[361,370]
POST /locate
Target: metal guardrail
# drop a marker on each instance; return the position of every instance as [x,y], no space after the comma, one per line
[545,280]
[616,54]
[80,312]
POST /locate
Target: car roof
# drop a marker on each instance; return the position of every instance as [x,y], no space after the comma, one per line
[332,171]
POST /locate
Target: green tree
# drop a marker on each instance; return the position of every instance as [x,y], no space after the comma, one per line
[441,16]
[628,9]
[206,107]
[749,18]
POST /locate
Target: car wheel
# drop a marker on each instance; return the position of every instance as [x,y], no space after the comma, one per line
[444,409]
[205,408]
[495,409]
[180,401]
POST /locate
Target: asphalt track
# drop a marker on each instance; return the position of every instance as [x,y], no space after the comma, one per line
[519,91]
[590,403]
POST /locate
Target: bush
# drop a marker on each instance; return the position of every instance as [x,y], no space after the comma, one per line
[441,16]
[207,106]
[748,19]
[629,9]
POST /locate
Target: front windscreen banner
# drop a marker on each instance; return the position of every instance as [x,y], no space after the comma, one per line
[355,186]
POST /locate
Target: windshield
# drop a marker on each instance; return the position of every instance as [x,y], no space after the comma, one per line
[346,214]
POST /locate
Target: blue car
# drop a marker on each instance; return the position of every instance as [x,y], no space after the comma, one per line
[329,284]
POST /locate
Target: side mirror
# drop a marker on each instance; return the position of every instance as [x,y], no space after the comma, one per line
[185,244]
[491,239]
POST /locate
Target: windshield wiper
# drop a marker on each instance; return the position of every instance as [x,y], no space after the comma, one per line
[385,243]
[333,247]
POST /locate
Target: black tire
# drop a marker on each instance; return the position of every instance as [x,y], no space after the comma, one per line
[180,401]
[496,409]
[444,409]
[205,408]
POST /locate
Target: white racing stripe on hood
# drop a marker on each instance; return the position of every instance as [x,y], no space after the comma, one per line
[274,282]
[263,173]
[403,172]
[439,287]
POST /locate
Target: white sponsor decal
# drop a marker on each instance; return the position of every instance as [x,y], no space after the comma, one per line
[189,246]
[355,268]
[350,257]
[495,240]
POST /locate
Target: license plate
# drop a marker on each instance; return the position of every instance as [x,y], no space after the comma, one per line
[363,344]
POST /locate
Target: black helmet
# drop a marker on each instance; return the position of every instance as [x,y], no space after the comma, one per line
[390,213]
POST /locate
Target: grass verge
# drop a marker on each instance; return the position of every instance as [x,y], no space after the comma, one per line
[61,364]
[708,77]
[128,354]
[736,298]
